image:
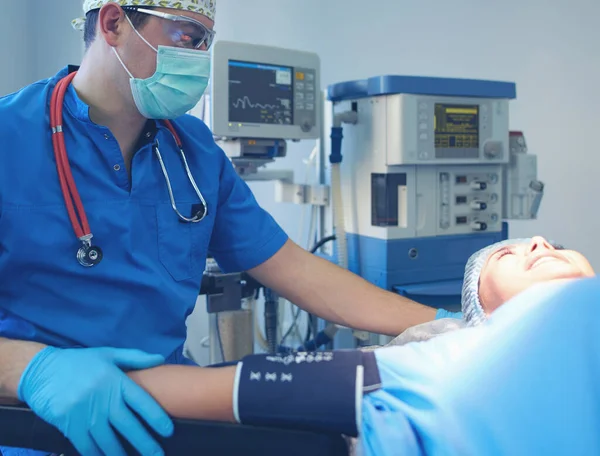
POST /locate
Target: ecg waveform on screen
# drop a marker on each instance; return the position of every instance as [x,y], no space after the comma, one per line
[246,103]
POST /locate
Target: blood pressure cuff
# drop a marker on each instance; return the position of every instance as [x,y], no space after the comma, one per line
[313,391]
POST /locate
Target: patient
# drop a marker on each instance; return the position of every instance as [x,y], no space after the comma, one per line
[497,273]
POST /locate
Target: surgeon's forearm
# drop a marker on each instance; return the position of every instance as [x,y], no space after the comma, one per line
[190,392]
[15,355]
[337,295]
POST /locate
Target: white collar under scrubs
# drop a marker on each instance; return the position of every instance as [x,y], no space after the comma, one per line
[147,283]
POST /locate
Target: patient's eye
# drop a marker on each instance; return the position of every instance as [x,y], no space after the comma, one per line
[503,251]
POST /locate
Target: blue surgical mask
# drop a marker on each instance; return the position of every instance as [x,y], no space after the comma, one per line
[180,80]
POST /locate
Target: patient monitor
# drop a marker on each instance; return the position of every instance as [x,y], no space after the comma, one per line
[262,97]
[269,92]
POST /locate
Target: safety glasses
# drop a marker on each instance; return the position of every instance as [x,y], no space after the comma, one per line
[184,31]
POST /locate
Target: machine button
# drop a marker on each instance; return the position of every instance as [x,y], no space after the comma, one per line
[423,116]
[310,106]
[423,156]
[300,86]
[299,96]
[478,205]
[423,136]
[310,97]
[478,226]
[478,185]
[300,106]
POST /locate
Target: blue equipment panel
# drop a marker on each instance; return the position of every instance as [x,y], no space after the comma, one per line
[427,270]
[420,85]
[433,277]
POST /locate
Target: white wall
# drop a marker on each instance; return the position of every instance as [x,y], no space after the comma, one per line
[37,41]
[57,44]
[16,39]
[550,48]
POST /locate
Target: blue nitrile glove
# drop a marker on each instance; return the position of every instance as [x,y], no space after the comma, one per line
[443,313]
[84,393]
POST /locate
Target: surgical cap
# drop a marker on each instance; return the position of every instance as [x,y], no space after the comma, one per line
[473,312]
[204,7]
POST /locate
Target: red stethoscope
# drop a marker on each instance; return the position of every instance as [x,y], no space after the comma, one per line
[88,254]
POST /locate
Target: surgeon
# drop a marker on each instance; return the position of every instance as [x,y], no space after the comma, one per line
[522,383]
[111,198]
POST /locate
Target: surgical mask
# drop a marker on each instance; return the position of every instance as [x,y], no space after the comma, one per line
[180,80]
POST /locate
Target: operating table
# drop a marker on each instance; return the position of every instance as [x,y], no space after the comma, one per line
[21,428]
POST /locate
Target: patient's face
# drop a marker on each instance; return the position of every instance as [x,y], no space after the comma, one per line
[513,269]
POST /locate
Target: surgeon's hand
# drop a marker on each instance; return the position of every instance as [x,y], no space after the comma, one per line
[85,394]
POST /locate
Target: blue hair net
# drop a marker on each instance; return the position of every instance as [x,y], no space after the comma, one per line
[473,312]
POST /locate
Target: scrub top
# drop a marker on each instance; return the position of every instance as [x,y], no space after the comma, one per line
[147,283]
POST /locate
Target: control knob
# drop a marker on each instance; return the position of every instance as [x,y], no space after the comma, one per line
[492,149]
[478,205]
[306,126]
[478,226]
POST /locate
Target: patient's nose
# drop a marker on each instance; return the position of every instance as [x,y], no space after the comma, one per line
[538,242]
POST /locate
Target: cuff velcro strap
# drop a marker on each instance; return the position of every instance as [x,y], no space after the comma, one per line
[319,391]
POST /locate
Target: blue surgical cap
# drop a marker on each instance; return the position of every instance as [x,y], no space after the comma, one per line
[473,312]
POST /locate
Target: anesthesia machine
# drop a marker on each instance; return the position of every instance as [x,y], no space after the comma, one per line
[429,174]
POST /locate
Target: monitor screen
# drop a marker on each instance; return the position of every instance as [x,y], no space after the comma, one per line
[456,126]
[260,93]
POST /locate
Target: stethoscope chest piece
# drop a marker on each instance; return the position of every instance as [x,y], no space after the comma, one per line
[89,255]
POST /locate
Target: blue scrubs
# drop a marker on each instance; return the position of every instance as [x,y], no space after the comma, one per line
[141,293]
[524,383]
